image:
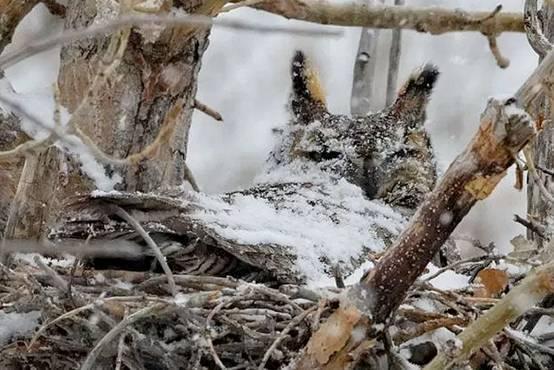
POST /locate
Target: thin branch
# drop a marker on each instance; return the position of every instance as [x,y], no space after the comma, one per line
[501,60]
[56,279]
[292,323]
[545,170]
[540,230]
[452,266]
[121,346]
[189,177]
[432,20]
[207,110]
[529,292]
[120,212]
[88,364]
[35,47]
[394,61]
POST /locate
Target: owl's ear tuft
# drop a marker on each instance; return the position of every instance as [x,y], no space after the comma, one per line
[308,95]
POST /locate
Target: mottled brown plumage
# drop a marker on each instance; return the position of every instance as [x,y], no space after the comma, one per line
[388,153]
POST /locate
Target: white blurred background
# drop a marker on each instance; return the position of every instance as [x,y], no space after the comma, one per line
[245,76]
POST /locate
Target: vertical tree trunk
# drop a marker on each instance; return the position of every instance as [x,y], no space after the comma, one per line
[539,208]
[11,13]
[156,73]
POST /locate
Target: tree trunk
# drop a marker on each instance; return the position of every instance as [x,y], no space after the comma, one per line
[539,208]
[155,74]
[13,12]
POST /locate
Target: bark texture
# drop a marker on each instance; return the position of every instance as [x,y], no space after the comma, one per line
[539,208]
[11,13]
[429,20]
[157,72]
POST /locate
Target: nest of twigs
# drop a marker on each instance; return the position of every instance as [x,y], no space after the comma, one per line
[108,319]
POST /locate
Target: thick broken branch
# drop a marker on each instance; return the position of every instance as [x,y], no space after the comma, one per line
[504,130]
[430,20]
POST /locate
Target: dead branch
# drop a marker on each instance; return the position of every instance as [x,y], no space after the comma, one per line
[501,60]
[117,330]
[207,110]
[120,212]
[533,226]
[430,20]
[293,323]
[470,178]
[394,60]
[504,130]
[530,291]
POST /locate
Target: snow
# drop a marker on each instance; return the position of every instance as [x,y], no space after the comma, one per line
[15,324]
[325,223]
[41,106]
[448,280]
[29,258]
[89,165]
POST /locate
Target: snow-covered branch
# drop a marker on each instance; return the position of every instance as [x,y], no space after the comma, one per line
[430,20]
[504,131]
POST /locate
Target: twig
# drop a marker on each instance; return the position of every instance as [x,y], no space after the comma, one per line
[189,177]
[394,61]
[66,315]
[209,319]
[545,170]
[452,266]
[35,47]
[521,298]
[120,346]
[294,322]
[530,162]
[427,326]
[501,60]
[522,338]
[207,110]
[120,212]
[531,225]
[117,330]
[56,279]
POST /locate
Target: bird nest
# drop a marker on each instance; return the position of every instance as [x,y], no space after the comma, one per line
[66,315]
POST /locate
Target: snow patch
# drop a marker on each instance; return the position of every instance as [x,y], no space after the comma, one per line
[325,221]
[15,324]
[448,280]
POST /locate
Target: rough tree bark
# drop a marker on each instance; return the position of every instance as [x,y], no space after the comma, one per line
[539,208]
[155,74]
[13,12]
